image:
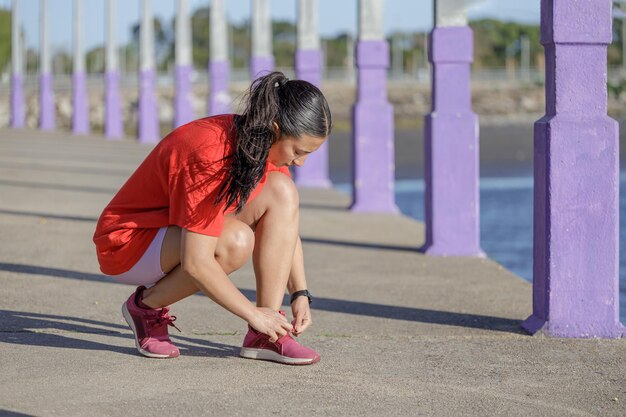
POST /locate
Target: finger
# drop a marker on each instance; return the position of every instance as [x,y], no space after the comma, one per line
[304,325]
[281,332]
[282,318]
[273,336]
[306,322]
[297,323]
[287,326]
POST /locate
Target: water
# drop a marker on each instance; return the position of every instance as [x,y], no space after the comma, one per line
[506,216]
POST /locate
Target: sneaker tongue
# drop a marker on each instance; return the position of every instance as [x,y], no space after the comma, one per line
[160,322]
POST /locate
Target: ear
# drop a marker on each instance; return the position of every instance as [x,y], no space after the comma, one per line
[277,133]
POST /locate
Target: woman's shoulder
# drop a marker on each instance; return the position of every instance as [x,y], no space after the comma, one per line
[218,123]
[206,128]
[207,136]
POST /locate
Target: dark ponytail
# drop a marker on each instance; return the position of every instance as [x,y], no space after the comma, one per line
[296,106]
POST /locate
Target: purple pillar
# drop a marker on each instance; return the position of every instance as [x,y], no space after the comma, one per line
[47,107]
[113,126]
[451,148]
[183,107]
[17,101]
[148,110]
[261,65]
[372,136]
[315,172]
[309,66]
[576,163]
[219,100]
[80,116]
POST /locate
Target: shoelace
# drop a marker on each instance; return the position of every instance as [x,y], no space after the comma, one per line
[163,319]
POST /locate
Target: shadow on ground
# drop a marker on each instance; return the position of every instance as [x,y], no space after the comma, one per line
[26,328]
[360,245]
[448,318]
[7,413]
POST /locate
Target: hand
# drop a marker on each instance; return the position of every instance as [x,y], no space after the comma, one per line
[270,322]
[301,315]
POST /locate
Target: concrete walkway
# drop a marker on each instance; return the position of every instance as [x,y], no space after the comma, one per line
[399,333]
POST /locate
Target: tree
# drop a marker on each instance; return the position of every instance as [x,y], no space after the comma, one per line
[200,36]
[163,43]
[337,50]
[495,40]
[5,39]
[284,43]
[95,60]
[61,61]
[615,49]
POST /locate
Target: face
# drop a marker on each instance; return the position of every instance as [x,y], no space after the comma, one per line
[288,151]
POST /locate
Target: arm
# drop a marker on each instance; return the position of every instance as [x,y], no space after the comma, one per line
[199,263]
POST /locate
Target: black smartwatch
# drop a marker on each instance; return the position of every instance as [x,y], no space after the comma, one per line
[302,292]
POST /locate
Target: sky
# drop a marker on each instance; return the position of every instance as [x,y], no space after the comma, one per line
[335,16]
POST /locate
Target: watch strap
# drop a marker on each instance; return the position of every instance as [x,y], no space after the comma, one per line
[302,292]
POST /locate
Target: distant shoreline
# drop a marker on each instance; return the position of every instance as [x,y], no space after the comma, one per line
[506,149]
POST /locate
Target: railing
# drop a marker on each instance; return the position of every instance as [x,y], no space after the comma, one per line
[63,82]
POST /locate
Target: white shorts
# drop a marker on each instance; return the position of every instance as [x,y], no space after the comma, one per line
[147,271]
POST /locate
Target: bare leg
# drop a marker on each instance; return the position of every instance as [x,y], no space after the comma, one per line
[274,215]
[234,248]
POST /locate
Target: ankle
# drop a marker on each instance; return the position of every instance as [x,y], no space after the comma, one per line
[146,300]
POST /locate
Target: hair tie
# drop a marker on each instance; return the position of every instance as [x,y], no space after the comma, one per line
[281,82]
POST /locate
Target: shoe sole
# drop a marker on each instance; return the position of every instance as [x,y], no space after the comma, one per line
[269,355]
[131,324]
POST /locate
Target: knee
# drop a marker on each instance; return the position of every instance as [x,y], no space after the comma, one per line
[242,241]
[284,191]
[236,248]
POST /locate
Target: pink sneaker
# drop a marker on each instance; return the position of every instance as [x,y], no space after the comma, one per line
[285,350]
[150,328]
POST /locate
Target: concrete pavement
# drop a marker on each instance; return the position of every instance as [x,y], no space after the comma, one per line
[399,333]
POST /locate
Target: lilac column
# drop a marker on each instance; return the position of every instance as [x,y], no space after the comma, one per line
[262,60]
[17,101]
[17,83]
[47,107]
[113,125]
[183,107]
[219,68]
[451,139]
[576,163]
[309,67]
[80,115]
[148,131]
[261,65]
[219,100]
[372,117]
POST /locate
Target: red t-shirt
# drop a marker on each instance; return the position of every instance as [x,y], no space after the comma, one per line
[175,185]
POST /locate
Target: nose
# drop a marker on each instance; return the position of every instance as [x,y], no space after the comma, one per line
[299,161]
